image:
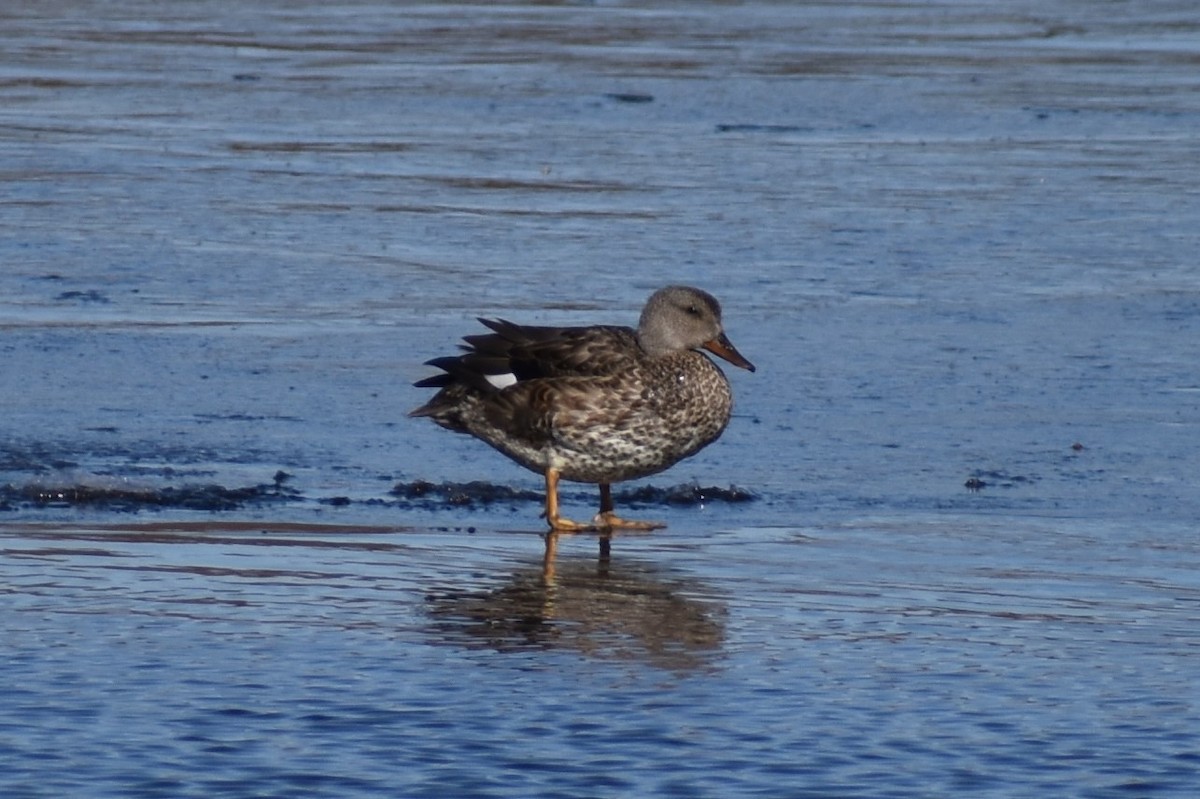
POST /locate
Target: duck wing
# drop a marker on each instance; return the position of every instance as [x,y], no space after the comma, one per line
[514,353]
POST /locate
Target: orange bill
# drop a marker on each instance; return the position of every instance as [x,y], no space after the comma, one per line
[722,347]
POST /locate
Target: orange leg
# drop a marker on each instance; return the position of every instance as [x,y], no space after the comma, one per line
[608,519]
[557,523]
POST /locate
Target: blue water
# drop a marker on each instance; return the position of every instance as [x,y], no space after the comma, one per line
[880,658]
[958,240]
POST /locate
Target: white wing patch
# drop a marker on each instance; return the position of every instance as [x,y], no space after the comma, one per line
[502,381]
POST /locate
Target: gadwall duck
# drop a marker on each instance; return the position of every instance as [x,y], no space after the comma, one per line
[596,404]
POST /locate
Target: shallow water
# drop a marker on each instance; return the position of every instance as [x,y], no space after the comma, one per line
[958,240]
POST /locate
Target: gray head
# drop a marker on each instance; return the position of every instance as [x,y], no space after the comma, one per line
[680,318]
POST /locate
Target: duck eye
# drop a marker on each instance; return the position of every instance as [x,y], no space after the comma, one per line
[693,310]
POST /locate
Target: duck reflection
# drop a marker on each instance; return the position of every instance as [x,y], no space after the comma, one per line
[617,609]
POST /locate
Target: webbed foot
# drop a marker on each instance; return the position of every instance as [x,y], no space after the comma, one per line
[608,520]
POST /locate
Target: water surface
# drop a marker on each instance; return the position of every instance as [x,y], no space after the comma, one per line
[957,239]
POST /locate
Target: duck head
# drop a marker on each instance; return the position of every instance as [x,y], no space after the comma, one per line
[684,318]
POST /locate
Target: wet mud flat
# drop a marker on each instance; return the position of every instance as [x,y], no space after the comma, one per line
[416,495]
[955,236]
[947,544]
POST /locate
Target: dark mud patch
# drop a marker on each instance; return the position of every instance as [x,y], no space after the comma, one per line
[454,495]
[91,295]
[691,494]
[993,478]
[630,97]
[755,128]
[123,499]
[479,493]
[415,495]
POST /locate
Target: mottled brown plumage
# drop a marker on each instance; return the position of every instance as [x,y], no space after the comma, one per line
[595,404]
